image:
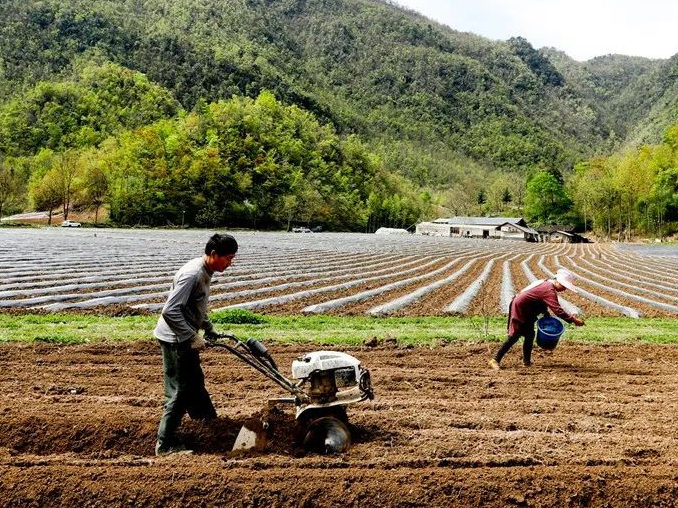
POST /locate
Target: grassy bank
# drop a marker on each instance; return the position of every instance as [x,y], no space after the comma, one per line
[71,328]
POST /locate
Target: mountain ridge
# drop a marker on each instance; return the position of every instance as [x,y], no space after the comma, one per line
[439,106]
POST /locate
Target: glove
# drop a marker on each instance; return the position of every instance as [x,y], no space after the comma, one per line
[197,342]
[211,336]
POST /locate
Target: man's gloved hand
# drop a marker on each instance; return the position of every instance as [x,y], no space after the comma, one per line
[198,342]
[211,336]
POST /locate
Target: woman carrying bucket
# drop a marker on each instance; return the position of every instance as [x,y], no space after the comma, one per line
[537,298]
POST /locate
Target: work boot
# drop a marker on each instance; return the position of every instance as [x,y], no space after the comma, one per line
[179,449]
[494,364]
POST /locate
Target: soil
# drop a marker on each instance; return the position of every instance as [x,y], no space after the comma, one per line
[432,303]
[586,425]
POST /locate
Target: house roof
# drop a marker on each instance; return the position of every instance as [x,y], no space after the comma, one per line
[480,221]
[524,229]
[553,229]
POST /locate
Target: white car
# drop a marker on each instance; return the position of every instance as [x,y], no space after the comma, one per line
[301,230]
[70,224]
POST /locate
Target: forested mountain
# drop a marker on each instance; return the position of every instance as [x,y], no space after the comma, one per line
[637,96]
[367,67]
[663,112]
[462,118]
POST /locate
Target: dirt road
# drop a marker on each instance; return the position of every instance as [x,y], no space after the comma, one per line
[589,425]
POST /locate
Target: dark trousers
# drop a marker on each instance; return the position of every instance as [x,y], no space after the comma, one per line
[527,331]
[512,339]
[184,390]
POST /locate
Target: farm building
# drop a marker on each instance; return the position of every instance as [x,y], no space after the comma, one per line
[559,234]
[511,228]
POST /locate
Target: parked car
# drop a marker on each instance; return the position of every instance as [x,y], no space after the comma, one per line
[317,229]
[70,224]
[301,230]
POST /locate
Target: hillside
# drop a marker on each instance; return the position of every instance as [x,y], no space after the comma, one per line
[418,115]
[638,96]
[662,112]
[369,68]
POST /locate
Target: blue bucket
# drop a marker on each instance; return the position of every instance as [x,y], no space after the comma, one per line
[549,330]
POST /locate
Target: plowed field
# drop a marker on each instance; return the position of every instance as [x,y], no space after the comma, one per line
[588,425]
[131,271]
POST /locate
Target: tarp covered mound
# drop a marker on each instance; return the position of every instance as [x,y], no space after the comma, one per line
[391,231]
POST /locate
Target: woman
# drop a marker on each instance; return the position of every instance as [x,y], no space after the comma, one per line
[537,298]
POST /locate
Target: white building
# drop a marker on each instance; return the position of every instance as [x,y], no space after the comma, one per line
[514,228]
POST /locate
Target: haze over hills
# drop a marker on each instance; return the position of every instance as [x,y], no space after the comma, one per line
[440,107]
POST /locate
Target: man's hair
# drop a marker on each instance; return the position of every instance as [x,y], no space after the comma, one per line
[223,245]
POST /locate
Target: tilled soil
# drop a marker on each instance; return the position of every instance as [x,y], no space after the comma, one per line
[431,303]
[487,301]
[434,302]
[588,425]
[297,306]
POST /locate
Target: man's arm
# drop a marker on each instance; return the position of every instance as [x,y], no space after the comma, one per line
[208,327]
[173,313]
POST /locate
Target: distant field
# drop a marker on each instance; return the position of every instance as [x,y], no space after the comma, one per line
[119,272]
[665,250]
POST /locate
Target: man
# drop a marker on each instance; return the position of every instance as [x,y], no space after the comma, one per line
[184,313]
[535,299]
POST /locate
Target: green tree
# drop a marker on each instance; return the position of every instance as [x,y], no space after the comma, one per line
[95,183]
[287,209]
[10,186]
[47,192]
[545,200]
[582,192]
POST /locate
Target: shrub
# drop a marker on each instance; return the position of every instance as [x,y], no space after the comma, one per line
[237,317]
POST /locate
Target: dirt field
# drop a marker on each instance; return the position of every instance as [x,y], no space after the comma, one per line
[61,270]
[585,426]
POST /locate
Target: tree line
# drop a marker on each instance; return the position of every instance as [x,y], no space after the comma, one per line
[627,194]
[634,192]
[113,139]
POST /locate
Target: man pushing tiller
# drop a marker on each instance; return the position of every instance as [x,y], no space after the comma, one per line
[184,313]
[537,298]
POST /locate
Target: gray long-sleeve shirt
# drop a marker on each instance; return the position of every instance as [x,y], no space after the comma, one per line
[185,311]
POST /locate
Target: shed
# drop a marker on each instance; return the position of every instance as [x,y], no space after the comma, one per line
[559,234]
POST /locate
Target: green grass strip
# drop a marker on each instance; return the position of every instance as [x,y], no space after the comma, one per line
[73,328]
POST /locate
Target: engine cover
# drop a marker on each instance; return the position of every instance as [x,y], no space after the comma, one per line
[331,378]
[321,361]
